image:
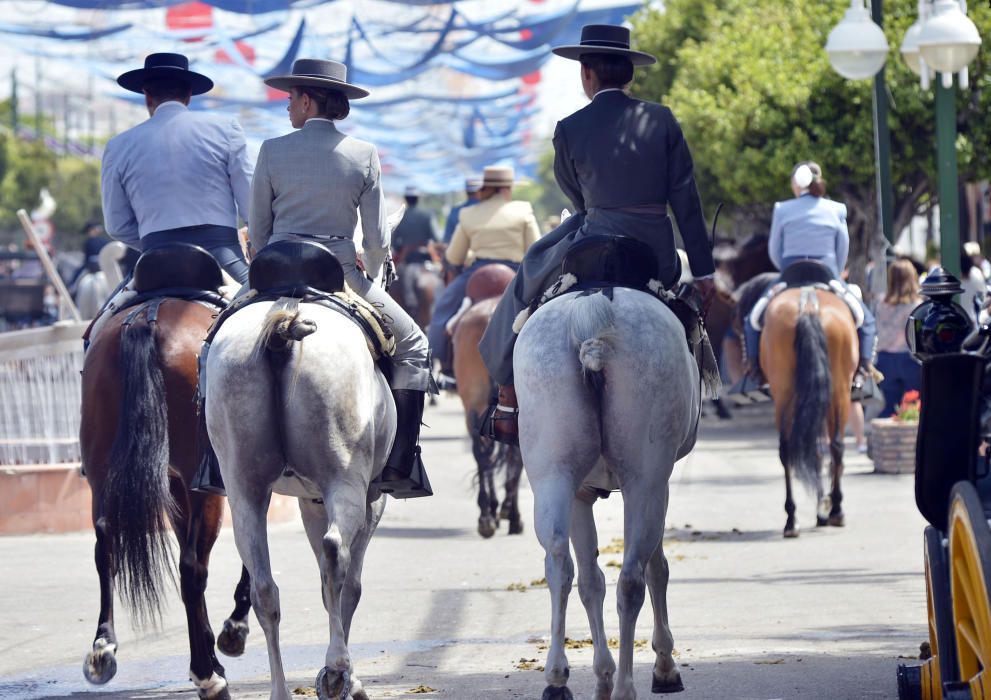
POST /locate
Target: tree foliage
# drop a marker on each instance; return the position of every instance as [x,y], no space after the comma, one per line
[751,84]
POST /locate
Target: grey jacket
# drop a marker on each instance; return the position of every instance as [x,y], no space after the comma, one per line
[314,181]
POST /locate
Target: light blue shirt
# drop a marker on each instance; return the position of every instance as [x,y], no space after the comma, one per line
[810,227]
[177,169]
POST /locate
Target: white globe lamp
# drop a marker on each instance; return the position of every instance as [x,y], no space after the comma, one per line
[949,40]
[910,48]
[857,47]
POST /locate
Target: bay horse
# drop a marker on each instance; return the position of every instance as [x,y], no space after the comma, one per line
[140,453]
[590,372]
[292,385]
[475,388]
[809,353]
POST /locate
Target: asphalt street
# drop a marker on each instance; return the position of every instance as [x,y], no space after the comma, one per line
[446,614]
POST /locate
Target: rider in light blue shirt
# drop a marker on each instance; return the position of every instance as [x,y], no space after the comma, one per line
[811,227]
[181,176]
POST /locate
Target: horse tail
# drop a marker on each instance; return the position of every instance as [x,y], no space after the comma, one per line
[813,387]
[136,500]
[592,326]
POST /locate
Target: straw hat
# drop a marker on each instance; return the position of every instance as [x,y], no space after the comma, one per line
[498,176]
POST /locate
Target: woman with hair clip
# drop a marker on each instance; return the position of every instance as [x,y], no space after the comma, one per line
[310,185]
[811,227]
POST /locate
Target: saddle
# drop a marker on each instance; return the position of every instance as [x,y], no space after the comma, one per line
[487,282]
[309,272]
[807,273]
[601,263]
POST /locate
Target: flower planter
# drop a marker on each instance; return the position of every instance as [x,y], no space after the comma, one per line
[891,446]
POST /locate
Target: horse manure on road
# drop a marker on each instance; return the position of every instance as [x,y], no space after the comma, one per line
[305,692]
[525,664]
[421,690]
[614,547]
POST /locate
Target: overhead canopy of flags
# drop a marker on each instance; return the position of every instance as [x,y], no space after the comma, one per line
[453,83]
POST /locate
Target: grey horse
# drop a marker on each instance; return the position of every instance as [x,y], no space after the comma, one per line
[607,389]
[296,405]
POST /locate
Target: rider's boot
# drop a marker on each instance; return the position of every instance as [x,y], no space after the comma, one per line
[501,423]
[404,475]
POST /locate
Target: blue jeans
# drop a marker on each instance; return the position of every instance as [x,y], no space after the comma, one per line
[901,374]
[447,305]
[866,334]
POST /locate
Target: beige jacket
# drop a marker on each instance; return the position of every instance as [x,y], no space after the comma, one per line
[313,181]
[493,230]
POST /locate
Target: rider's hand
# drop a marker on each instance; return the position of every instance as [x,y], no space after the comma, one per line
[707,288]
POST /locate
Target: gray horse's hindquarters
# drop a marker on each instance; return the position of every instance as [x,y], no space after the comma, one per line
[646,404]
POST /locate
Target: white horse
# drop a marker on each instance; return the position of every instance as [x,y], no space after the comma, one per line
[296,388]
[606,385]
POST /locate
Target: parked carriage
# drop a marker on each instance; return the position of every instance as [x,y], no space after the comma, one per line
[953,493]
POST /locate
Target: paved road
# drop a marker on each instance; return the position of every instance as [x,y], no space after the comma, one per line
[829,615]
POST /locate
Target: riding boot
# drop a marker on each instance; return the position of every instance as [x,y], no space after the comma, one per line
[501,423]
[404,475]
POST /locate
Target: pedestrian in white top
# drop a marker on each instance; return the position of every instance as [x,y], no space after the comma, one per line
[181,176]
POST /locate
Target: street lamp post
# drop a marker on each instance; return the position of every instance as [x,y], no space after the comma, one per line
[857,50]
[943,40]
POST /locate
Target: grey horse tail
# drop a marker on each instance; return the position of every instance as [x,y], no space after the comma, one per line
[282,326]
[813,387]
[592,324]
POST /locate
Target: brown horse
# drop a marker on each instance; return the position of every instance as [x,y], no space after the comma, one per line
[475,388]
[418,282]
[808,352]
[140,451]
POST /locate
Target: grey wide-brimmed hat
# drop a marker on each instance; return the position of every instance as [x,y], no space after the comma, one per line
[172,66]
[313,72]
[604,38]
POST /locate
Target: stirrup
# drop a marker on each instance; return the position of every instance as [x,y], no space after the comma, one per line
[416,485]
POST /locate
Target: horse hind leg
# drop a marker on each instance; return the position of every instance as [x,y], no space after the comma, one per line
[836,517]
[101,662]
[592,591]
[510,509]
[484,451]
[666,678]
[235,632]
[791,524]
[197,525]
[553,496]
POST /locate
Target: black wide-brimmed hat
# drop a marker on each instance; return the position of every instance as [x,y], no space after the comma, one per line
[173,66]
[312,72]
[604,38]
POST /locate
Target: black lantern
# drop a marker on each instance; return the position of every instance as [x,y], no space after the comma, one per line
[938,325]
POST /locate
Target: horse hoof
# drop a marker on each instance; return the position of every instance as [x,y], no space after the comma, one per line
[821,521]
[557,692]
[790,532]
[837,520]
[232,637]
[487,527]
[333,685]
[671,684]
[516,527]
[100,666]
[357,690]
[214,688]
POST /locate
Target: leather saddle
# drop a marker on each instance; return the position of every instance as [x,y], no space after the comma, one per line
[177,267]
[295,269]
[806,272]
[611,261]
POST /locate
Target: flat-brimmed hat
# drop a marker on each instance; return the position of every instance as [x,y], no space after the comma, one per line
[313,72]
[473,184]
[173,66]
[498,176]
[604,38]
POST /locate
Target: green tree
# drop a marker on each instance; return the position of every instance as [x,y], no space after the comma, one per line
[27,167]
[76,189]
[751,84]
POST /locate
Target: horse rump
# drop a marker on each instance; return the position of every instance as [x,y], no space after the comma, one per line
[813,389]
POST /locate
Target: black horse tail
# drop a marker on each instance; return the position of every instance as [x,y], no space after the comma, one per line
[813,387]
[136,500]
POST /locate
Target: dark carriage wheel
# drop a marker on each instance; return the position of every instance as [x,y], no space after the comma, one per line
[943,665]
[970,584]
